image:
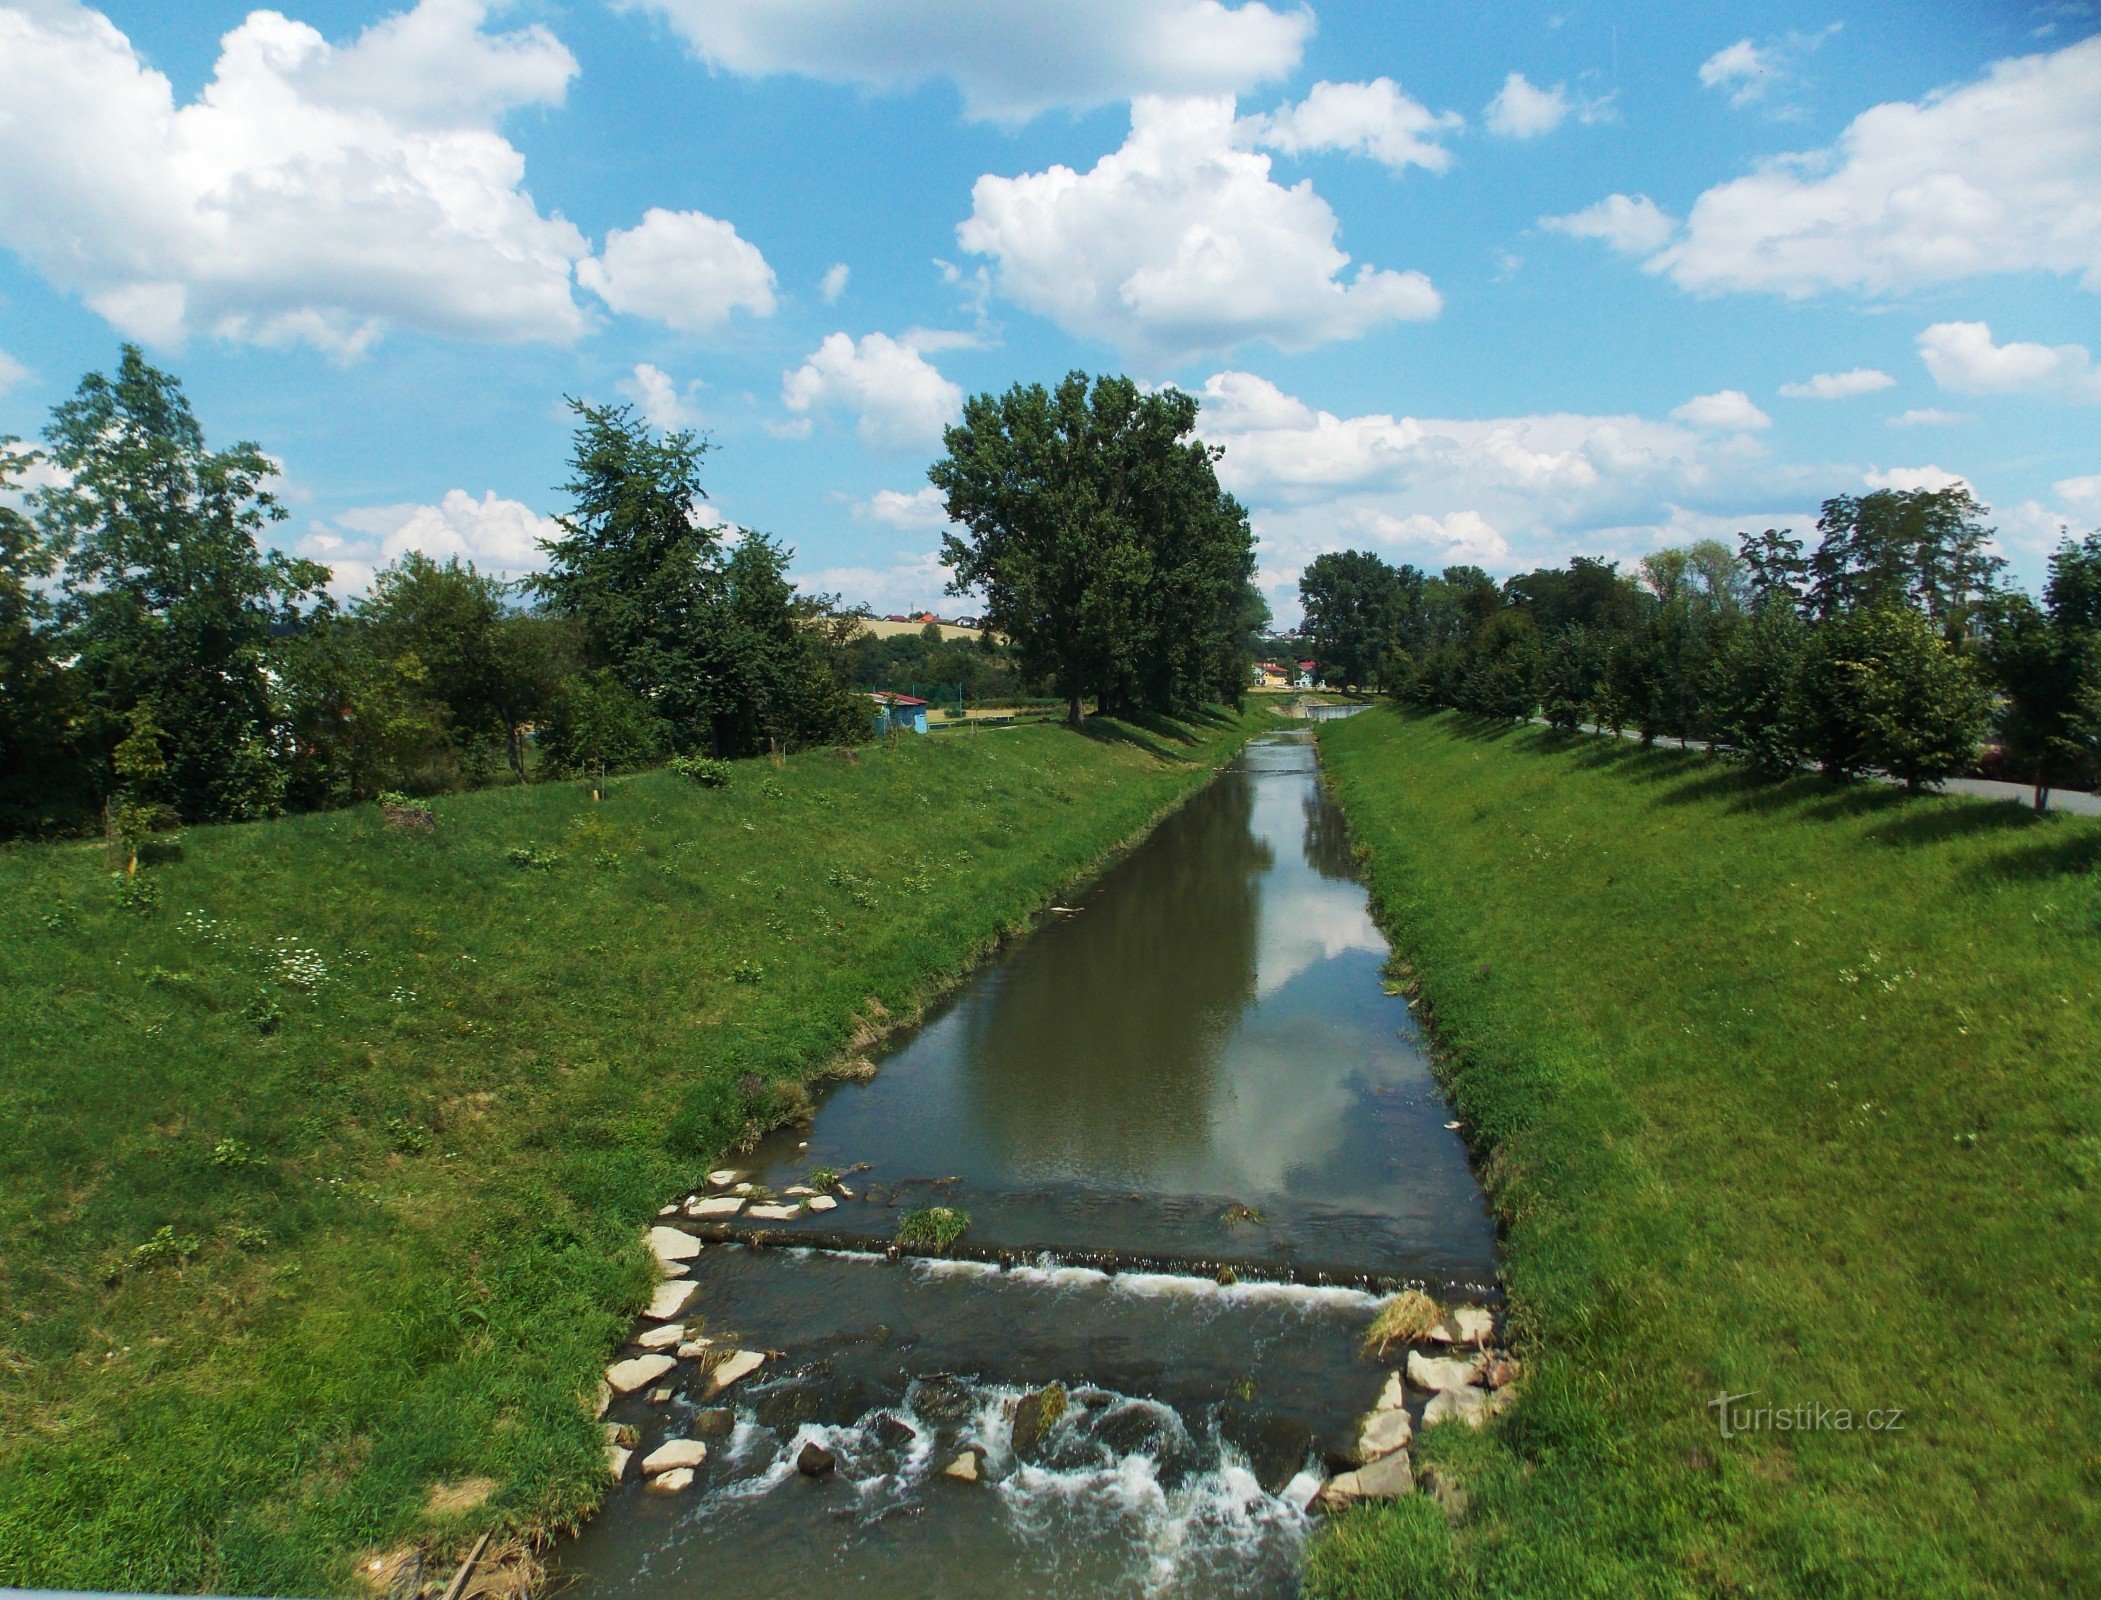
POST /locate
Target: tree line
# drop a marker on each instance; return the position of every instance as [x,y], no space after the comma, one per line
[1894,645]
[159,665]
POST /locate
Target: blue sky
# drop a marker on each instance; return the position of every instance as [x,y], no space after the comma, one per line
[1499,283]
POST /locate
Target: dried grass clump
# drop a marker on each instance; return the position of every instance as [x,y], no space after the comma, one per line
[1405,1319]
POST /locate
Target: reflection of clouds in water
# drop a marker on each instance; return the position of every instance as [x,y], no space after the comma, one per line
[1275,1116]
[1304,924]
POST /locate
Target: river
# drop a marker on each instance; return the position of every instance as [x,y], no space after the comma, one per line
[1196,1140]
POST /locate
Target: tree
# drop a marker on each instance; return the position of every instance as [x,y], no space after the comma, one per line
[2047,662]
[1925,548]
[40,778]
[1758,711]
[640,576]
[790,685]
[598,725]
[363,720]
[1350,597]
[1096,530]
[1570,669]
[168,600]
[1774,566]
[1882,689]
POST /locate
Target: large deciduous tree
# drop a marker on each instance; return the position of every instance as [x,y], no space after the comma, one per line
[1351,599]
[169,602]
[1895,548]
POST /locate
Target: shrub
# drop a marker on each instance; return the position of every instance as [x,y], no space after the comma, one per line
[932,1228]
[531,858]
[707,771]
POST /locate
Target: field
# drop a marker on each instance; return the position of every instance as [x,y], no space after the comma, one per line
[1788,1093]
[330,1142]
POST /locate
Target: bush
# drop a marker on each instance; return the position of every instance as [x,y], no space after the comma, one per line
[708,771]
[1882,689]
[932,1228]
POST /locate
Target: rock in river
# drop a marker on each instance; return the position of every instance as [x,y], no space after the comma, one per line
[672,1245]
[674,1453]
[1387,1478]
[764,1213]
[669,1300]
[672,1482]
[1467,1325]
[661,1338]
[1384,1432]
[1470,1406]
[715,1205]
[616,1460]
[1438,1373]
[965,1468]
[628,1376]
[814,1461]
[737,1364]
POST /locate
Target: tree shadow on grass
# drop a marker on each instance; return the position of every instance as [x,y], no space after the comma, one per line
[1153,735]
[2067,849]
[1960,818]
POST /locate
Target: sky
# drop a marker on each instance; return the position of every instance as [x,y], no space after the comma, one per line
[1485,282]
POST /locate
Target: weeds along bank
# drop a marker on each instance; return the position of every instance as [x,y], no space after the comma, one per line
[330,1139]
[1788,1094]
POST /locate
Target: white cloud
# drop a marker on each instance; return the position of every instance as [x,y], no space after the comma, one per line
[834,282]
[312,192]
[1180,242]
[1926,477]
[1962,358]
[1009,61]
[1743,69]
[1725,411]
[1927,417]
[1464,538]
[900,399]
[918,582]
[499,536]
[2085,493]
[1839,385]
[1369,119]
[12,372]
[684,269]
[919,510]
[1633,225]
[656,395]
[1523,110]
[1999,175]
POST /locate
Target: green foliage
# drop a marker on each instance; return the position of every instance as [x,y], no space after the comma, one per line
[1108,555]
[388,1319]
[1882,689]
[934,667]
[597,725]
[165,1249]
[709,772]
[531,858]
[1905,549]
[2047,663]
[1759,711]
[1782,1087]
[1350,598]
[932,1228]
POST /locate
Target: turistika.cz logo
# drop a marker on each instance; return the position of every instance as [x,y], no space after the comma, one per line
[1734,1415]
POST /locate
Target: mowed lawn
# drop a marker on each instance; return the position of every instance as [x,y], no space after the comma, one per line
[324,1175]
[1791,1093]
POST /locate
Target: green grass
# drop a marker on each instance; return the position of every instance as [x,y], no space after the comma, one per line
[325,1172]
[932,1228]
[1793,1091]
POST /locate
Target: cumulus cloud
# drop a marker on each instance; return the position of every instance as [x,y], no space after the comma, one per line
[1180,242]
[1839,385]
[499,536]
[2084,493]
[684,269]
[900,399]
[1368,119]
[1962,358]
[1632,224]
[1927,417]
[1009,61]
[1999,175]
[834,282]
[657,396]
[1523,110]
[1742,69]
[919,510]
[917,582]
[313,191]
[12,372]
[1927,477]
[1725,411]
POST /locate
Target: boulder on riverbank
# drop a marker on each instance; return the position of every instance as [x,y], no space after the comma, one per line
[672,1246]
[672,1454]
[1387,1478]
[1439,1373]
[626,1377]
[737,1364]
[814,1461]
[1383,1432]
[669,1300]
[1035,1414]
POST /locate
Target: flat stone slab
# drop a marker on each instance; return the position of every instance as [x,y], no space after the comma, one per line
[672,1244]
[798,1191]
[723,1177]
[616,1460]
[1393,1396]
[1438,1373]
[1387,1478]
[1470,1406]
[964,1469]
[669,1300]
[628,1376]
[775,1213]
[699,1345]
[737,1364]
[1384,1432]
[822,1202]
[673,1453]
[671,1333]
[1467,1325]
[672,1482]
[715,1205]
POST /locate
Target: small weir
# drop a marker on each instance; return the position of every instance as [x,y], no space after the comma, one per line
[1197,1143]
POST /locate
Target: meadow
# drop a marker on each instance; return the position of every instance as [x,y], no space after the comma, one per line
[1790,1093]
[330,1141]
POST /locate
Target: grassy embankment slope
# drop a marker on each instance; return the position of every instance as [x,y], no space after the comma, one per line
[402,1104]
[1793,1091]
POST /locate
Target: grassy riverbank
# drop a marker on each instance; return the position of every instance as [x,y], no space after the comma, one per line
[1785,1092]
[322,1190]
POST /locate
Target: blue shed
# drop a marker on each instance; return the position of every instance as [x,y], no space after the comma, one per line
[896,713]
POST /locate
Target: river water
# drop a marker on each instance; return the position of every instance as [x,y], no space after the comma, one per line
[1197,1141]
